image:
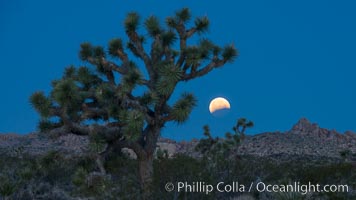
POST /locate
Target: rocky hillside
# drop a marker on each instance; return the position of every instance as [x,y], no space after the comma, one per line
[39,144]
[304,139]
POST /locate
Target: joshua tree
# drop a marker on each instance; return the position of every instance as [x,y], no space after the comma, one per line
[210,145]
[241,126]
[122,104]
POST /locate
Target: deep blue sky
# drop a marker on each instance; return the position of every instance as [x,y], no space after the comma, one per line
[297,58]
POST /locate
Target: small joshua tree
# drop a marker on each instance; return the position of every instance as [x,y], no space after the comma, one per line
[212,145]
[104,101]
[206,144]
[241,126]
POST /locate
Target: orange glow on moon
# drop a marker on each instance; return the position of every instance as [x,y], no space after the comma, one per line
[218,104]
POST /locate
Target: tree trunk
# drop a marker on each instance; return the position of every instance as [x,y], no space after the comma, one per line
[145,158]
[146,175]
[99,162]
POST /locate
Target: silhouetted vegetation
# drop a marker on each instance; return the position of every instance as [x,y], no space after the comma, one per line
[53,176]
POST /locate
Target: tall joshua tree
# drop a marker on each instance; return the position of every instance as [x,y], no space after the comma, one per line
[104,100]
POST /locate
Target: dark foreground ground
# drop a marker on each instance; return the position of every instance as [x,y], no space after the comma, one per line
[52,176]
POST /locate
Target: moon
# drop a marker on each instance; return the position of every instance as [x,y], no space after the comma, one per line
[218,104]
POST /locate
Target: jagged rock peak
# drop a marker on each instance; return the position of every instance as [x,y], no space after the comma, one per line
[350,133]
[305,126]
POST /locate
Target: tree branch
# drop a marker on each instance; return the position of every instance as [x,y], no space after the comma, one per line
[203,71]
[93,112]
[140,52]
[134,103]
[190,32]
[183,36]
[111,66]
[155,56]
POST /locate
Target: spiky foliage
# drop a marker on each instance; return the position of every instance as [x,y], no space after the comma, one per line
[184,15]
[241,125]
[210,146]
[115,45]
[7,186]
[41,103]
[168,38]
[152,26]
[206,144]
[132,22]
[104,99]
[202,24]
[229,53]
[182,108]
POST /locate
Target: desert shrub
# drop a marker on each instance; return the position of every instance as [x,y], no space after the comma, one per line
[8,186]
[79,177]
[120,164]
[326,174]
[55,169]
[25,173]
[42,191]
[121,181]
[181,168]
[345,153]
[86,162]
[124,173]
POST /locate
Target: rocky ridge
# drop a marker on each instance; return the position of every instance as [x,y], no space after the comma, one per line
[304,139]
[38,144]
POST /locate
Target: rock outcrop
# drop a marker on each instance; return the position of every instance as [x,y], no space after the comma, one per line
[304,138]
[39,144]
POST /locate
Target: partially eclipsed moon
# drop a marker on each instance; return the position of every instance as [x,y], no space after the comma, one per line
[218,104]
